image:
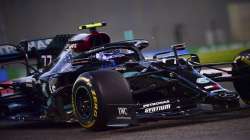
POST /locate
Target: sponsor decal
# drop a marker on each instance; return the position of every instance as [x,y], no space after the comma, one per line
[202,80]
[157,106]
[209,87]
[120,68]
[93,50]
[38,44]
[123,118]
[219,90]
[7,49]
[224,95]
[122,111]
[212,87]
[95,102]
[172,74]
[47,60]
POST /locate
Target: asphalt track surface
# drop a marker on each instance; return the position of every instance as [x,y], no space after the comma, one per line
[223,126]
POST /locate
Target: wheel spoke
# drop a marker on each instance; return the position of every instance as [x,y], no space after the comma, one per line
[84,103]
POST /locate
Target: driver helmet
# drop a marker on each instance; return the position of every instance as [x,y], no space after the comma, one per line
[87,41]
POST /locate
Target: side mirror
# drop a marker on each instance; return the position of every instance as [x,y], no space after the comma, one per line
[176,48]
[194,59]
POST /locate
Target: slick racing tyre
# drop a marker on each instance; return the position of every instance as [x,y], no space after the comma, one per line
[93,91]
[241,69]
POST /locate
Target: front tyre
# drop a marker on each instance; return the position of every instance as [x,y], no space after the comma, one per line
[86,105]
[94,92]
[241,69]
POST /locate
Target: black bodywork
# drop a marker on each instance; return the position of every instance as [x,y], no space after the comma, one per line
[162,87]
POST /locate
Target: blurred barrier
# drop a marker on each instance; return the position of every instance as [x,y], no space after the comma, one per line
[210,53]
[3,75]
[220,52]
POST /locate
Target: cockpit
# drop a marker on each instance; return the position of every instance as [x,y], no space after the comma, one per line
[95,47]
[77,45]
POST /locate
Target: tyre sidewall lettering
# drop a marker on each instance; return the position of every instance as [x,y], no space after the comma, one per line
[94,114]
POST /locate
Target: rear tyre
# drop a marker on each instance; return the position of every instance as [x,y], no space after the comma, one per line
[241,68]
[93,91]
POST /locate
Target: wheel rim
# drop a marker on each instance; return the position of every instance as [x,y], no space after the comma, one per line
[84,103]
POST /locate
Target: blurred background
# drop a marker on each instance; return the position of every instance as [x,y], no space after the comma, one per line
[162,22]
[215,29]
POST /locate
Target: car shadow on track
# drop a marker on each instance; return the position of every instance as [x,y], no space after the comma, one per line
[37,125]
[185,121]
[141,127]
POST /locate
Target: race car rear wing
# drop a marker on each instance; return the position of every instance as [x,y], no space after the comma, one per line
[11,52]
[53,45]
[8,52]
[42,50]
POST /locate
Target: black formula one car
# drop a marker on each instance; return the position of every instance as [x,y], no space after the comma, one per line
[102,84]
